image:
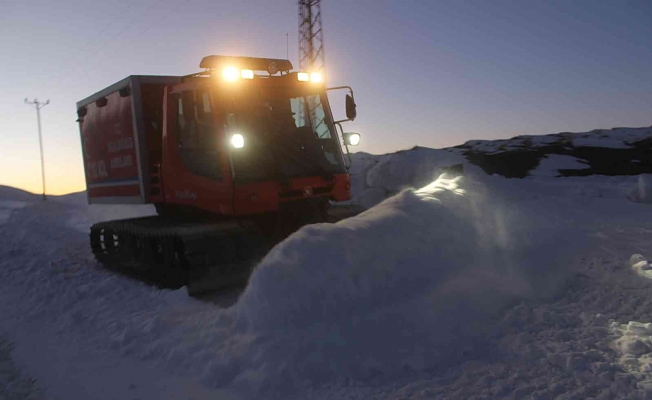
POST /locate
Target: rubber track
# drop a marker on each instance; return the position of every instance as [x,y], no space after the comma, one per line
[170,253]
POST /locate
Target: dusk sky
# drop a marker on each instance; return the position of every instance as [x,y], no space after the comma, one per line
[427,73]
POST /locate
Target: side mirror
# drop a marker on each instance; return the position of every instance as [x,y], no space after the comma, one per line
[351,113]
[351,138]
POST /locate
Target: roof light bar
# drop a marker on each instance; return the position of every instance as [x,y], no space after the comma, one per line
[252,63]
[230,74]
[314,77]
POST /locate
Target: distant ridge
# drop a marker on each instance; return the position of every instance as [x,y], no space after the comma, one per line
[616,151]
[15,194]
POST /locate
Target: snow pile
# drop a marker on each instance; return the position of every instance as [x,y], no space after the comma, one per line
[408,285]
[551,164]
[375,178]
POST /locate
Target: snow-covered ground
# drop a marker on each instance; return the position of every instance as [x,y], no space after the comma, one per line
[7,207]
[472,287]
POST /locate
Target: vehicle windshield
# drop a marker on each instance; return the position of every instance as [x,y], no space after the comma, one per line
[286,135]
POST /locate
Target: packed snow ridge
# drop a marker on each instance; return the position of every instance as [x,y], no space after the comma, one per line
[447,287]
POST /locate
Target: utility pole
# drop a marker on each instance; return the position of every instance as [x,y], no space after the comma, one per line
[38,105]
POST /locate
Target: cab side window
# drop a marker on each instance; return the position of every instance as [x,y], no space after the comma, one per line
[204,112]
[197,134]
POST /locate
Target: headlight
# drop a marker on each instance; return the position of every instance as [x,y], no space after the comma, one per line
[314,77]
[351,138]
[237,141]
[354,139]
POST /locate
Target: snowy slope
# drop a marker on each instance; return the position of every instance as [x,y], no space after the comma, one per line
[87,215]
[12,199]
[618,151]
[615,138]
[475,287]
[551,165]
[417,298]
[614,152]
[8,193]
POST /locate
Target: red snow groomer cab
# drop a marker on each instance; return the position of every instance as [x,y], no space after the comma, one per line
[231,157]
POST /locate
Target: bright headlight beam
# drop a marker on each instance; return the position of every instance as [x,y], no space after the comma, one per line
[354,139]
[230,74]
[441,184]
[316,77]
[303,77]
[237,141]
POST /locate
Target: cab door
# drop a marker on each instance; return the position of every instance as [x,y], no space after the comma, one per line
[196,170]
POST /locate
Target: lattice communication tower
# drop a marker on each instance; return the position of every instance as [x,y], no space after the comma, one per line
[311,38]
[311,53]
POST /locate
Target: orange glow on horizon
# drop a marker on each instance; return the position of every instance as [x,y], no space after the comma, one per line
[60,179]
[55,189]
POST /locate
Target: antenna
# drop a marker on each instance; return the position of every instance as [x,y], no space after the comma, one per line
[38,105]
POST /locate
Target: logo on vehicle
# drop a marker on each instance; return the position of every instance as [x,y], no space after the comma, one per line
[307,191]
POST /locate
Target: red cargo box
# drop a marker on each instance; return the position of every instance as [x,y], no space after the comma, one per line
[120,130]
